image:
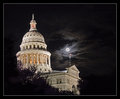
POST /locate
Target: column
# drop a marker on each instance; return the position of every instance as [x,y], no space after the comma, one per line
[32,58]
[37,58]
[20,57]
[23,58]
[41,58]
[31,46]
[49,61]
[27,59]
[45,60]
[28,46]
[36,46]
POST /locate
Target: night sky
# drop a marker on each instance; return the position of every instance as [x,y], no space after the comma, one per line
[89,30]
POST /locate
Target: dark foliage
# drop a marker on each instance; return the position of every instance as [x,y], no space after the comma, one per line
[32,84]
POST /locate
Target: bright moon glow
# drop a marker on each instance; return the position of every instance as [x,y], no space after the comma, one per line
[67,49]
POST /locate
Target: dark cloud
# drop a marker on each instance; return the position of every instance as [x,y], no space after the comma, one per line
[95,52]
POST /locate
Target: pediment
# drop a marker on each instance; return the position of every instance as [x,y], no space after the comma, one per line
[74,68]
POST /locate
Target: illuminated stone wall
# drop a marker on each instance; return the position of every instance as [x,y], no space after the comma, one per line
[65,81]
[39,59]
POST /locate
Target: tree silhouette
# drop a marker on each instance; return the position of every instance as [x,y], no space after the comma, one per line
[31,83]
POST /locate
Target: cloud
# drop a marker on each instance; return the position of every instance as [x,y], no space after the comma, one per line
[75,41]
[88,52]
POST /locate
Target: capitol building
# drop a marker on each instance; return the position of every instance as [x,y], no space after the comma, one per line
[33,53]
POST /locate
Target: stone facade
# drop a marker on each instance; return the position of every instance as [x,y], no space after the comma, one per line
[33,52]
[66,80]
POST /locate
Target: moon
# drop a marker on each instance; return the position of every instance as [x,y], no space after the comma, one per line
[67,49]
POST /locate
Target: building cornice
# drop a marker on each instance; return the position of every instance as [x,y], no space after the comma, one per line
[33,51]
[60,73]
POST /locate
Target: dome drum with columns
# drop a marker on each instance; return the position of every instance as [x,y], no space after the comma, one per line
[34,50]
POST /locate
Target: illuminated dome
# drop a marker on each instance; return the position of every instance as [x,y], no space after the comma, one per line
[33,50]
[33,39]
[33,36]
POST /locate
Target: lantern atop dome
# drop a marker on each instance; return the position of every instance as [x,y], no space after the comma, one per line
[33,24]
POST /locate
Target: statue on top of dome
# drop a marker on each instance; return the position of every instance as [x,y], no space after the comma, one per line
[32,24]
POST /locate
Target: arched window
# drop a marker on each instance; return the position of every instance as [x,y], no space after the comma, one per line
[33,46]
[40,47]
[26,47]
[59,81]
[30,46]
[37,46]
[45,70]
